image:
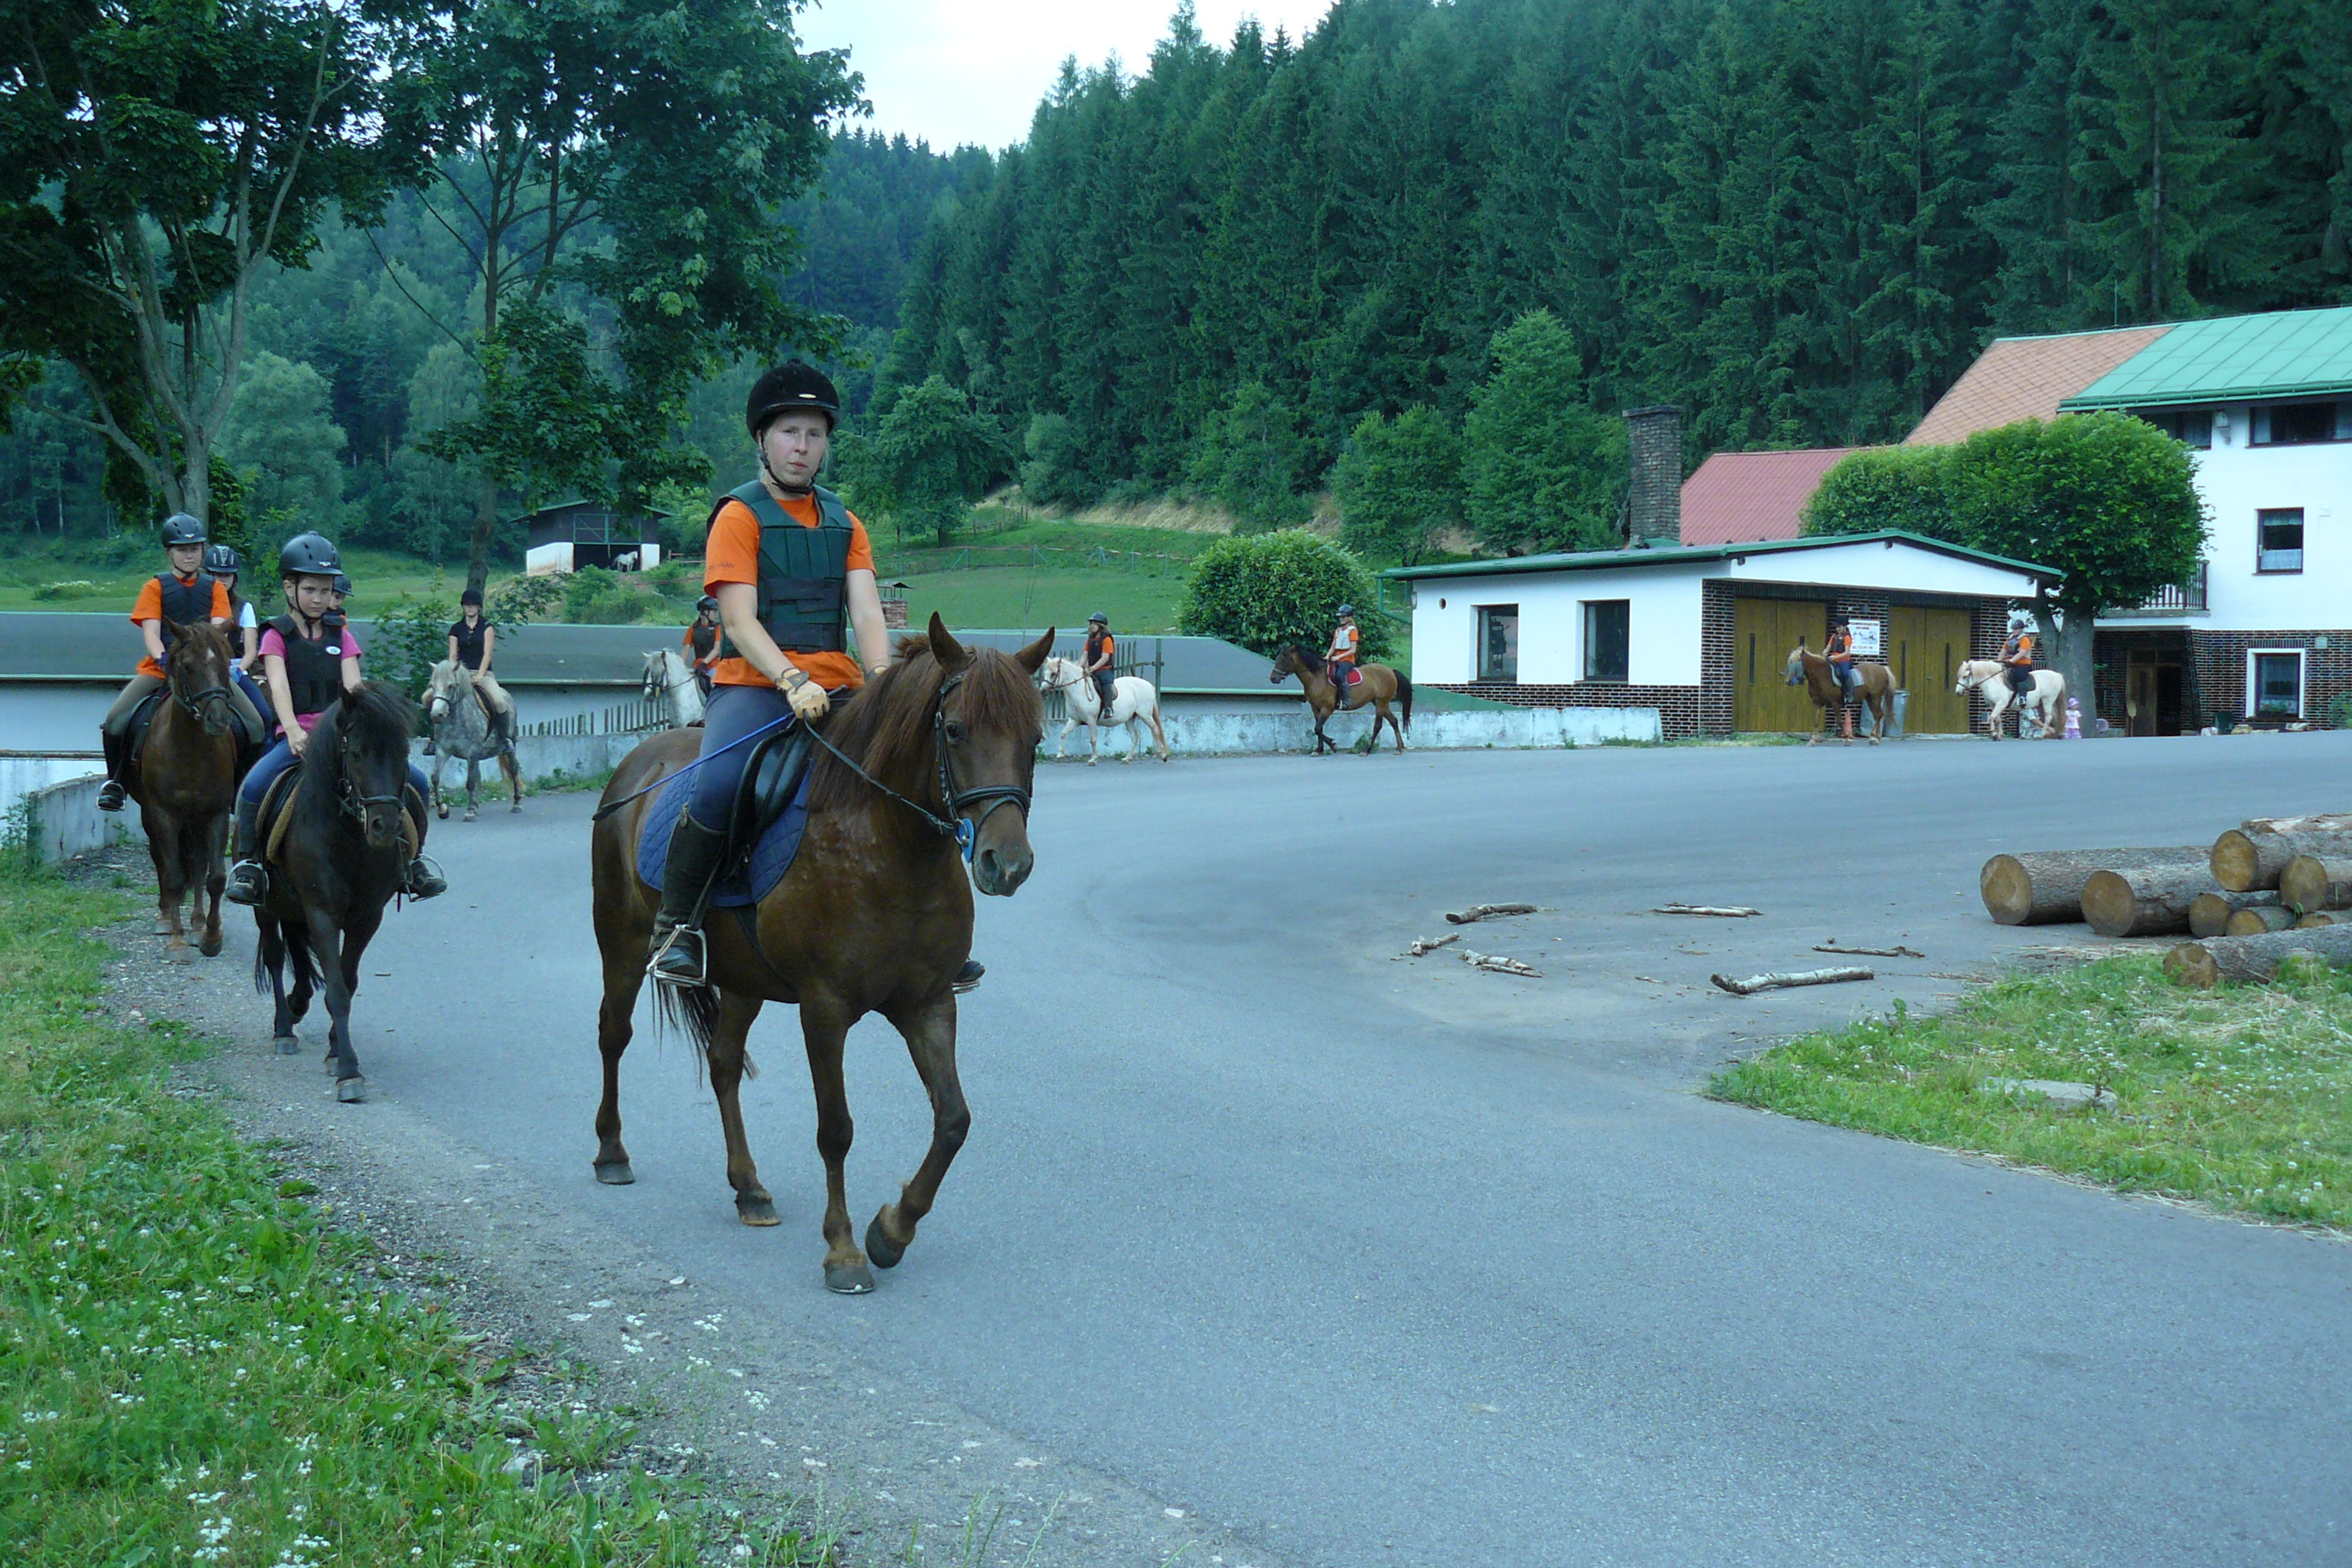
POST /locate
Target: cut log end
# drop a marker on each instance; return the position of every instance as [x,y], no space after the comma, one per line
[2258,920]
[2209,914]
[2310,884]
[2191,965]
[2008,890]
[2235,862]
[2150,901]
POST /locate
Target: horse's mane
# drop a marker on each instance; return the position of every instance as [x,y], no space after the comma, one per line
[1308,657]
[205,635]
[382,718]
[887,727]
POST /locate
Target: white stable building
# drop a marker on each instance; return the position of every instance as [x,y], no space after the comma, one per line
[1703,633]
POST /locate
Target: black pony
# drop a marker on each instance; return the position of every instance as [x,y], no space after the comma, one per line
[339,861]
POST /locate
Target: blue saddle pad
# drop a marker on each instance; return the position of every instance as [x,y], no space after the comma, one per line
[770,857]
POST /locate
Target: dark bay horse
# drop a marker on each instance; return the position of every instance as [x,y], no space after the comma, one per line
[355,825]
[875,915]
[185,782]
[1873,687]
[1380,686]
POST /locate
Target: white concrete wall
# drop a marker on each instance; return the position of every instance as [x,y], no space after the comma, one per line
[2238,480]
[62,820]
[1207,734]
[1662,622]
[54,715]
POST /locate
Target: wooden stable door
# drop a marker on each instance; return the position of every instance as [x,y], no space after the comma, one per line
[1763,631]
[1925,649]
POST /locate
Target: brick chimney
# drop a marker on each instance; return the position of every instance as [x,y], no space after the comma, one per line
[1656,511]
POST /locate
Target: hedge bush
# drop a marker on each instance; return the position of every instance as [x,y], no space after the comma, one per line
[1267,589]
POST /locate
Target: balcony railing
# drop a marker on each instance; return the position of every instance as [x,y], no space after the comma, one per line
[2181,599]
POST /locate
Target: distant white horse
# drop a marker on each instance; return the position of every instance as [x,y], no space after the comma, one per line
[669,679]
[625,562]
[1133,700]
[2046,702]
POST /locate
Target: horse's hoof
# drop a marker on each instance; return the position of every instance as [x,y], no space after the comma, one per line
[162,926]
[470,813]
[210,947]
[616,1173]
[179,954]
[441,811]
[515,810]
[884,1252]
[856,1279]
[759,1211]
[287,1046]
[351,1091]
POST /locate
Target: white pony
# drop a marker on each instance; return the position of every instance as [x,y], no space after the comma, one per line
[1133,700]
[669,679]
[2046,702]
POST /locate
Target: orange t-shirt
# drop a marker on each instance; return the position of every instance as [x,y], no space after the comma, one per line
[732,555]
[150,607]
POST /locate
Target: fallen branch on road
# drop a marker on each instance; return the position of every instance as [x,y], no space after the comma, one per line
[1422,945]
[1487,911]
[1755,982]
[1496,964]
[1898,952]
[1728,911]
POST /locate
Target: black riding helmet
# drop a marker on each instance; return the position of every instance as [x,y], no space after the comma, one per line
[707,604]
[795,384]
[181,528]
[1098,616]
[309,555]
[1345,610]
[470,596]
[221,561]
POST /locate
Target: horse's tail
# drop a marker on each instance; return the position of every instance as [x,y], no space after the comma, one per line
[1404,695]
[295,951]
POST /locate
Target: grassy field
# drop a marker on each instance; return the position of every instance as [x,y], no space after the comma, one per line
[199,1370]
[104,576]
[2240,1097]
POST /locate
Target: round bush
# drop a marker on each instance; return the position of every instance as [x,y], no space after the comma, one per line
[1267,589]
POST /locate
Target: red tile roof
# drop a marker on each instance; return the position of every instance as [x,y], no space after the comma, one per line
[1739,498]
[2026,378]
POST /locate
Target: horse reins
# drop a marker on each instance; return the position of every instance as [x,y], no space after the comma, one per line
[965,830]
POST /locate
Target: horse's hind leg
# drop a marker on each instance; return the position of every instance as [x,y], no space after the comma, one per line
[513,770]
[473,787]
[729,1062]
[930,1040]
[624,950]
[440,760]
[822,1029]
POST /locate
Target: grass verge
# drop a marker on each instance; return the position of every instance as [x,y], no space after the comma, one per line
[199,1370]
[2240,1097]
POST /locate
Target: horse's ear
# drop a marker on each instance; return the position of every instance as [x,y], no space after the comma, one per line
[1032,658]
[173,630]
[944,647]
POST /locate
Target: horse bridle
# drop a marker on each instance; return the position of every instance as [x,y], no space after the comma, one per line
[965,830]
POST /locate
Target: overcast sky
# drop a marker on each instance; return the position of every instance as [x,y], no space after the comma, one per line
[953,72]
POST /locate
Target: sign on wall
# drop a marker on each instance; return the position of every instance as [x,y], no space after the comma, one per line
[1868,640]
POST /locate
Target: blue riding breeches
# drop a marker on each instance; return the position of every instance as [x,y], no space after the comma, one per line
[735,711]
[280,756]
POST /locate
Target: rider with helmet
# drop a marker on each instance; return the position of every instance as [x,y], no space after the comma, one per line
[1839,651]
[787,563]
[180,594]
[221,566]
[309,657]
[701,643]
[1341,660]
[473,643]
[2020,654]
[1100,648]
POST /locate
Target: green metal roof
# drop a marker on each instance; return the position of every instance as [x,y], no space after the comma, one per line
[1686,554]
[2283,354]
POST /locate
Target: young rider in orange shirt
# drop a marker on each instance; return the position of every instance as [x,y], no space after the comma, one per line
[180,595]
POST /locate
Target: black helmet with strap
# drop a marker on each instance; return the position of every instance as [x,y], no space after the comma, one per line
[1097,618]
[1345,610]
[309,555]
[221,561]
[795,384]
[183,528]
[707,606]
[342,584]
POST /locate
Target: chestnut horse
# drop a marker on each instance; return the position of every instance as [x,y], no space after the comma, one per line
[874,916]
[1379,686]
[1875,686]
[185,782]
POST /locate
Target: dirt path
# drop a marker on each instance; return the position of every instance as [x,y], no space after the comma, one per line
[779,1423]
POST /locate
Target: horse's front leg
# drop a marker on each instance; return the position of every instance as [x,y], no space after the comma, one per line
[327,952]
[931,1033]
[215,841]
[167,847]
[440,800]
[622,943]
[1069,721]
[513,770]
[729,1060]
[473,787]
[824,1025]
[1094,738]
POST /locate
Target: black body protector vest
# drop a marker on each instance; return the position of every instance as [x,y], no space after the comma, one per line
[186,603]
[704,639]
[469,641]
[314,670]
[804,572]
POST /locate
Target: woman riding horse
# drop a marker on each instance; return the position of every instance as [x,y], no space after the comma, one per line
[180,594]
[787,563]
[309,657]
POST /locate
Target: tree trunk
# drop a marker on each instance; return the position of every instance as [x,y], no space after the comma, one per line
[2256,855]
[2152,900]
[2046,886]
[2309,885]
[485,521]
[2071,651]
[2202,964]
[2210,914]
[2258,920]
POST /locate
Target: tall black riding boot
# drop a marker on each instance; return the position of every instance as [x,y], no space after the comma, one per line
[111,795]
[248,881]
[694,854]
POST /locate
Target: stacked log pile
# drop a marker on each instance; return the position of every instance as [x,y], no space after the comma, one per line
[2267,889]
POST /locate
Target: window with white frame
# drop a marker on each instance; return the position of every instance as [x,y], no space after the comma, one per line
[2278,539]
[2189,426]
[1499,642]
[2274,683]
[2301,424]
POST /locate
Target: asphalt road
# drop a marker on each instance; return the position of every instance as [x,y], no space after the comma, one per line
[1354,1260]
